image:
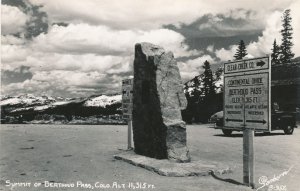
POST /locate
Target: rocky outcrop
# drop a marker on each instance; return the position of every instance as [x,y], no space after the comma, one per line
[158,129]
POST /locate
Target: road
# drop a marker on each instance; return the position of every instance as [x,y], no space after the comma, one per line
[84,153]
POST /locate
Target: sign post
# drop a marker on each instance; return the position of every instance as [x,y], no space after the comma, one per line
[247,104]
[248,157]
[127,90]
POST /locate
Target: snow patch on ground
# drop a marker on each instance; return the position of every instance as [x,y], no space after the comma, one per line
[22,109]
[40,108]
[60,103]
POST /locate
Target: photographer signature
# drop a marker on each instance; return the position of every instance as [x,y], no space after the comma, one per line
[263,180]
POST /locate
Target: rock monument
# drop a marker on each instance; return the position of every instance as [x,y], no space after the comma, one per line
[158,98]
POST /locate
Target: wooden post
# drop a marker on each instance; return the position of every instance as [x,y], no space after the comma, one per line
[129,134]
[127,91]
[248,157]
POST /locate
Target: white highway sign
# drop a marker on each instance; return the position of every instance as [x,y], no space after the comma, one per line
[254,64]
[247,94]
[127,88]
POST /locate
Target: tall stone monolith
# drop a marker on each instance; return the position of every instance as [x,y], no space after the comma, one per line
[158,129]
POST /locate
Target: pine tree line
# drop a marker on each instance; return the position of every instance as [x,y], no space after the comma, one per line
[281,54]
[202,93]
[205,84]
[204,97]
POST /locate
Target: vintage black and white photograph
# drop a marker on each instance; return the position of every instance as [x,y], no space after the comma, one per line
[135,95]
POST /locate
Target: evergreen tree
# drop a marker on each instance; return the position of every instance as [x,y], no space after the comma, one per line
[196,89]
[241,51]
[286,33]
[208,81]
[218,73]
[195,99]
[275,53]
[217,78]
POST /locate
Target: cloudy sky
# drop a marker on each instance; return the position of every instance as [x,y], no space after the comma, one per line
[85,47]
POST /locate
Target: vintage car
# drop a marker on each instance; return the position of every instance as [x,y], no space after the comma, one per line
[215,117]
[280,120]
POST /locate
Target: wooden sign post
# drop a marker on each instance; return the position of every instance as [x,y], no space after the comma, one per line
[129,132]
[247,104]
[127,88]
[248,157]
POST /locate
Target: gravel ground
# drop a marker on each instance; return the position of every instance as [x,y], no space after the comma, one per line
[71,154]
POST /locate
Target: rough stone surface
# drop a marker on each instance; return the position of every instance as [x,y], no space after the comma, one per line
[168,168]
[158,129]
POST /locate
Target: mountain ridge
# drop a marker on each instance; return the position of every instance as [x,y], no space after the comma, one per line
[28,107]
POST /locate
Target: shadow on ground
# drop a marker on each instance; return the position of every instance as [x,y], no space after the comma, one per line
[256,135]
[225,179]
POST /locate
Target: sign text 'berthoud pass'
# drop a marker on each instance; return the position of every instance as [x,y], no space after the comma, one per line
[247,94]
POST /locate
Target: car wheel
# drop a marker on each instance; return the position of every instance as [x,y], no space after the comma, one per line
[227,132]
[288,130]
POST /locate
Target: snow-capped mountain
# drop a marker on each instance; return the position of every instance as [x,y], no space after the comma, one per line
[26,100]
[30,105]
[103,101]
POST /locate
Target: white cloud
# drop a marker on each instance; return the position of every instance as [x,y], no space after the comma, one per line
[66,79]
[84,62]
[84,38]
[11,40]
[238,14]
[295,14]
[13,53]
[66,83]
[15,56]
[119,14]
[95,51]
[193,67]
[13,20]
[210,48]
[147,14]
[169,40]
[65,58]
[272,31]
[28,85]
[226,54]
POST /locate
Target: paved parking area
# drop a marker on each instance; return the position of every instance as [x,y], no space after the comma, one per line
[83,155]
